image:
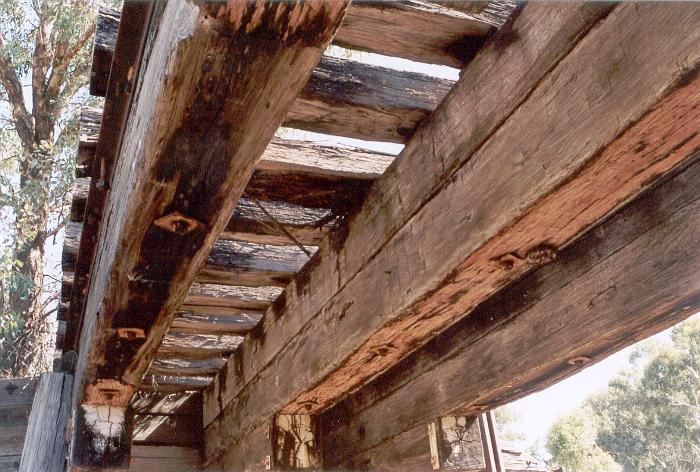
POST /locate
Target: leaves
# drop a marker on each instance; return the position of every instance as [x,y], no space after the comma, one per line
[45,53]
[649,417]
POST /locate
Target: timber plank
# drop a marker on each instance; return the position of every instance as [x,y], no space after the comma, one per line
[350,98]
[421,31]
[167,403]
[103,49]
[203,113]
[249,222]
[173,383]
[211,298]
[165,459]
[186,366]
[550,34]
[592,288]
[191,322]
[45,443]
[501,228]
[229,262]
[198,345]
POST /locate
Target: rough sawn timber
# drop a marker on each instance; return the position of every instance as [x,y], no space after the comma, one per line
[249,222]
[520,181]
[229,262]
[217,84]
[629,278]
[45,444]
[350,98]
[422,31]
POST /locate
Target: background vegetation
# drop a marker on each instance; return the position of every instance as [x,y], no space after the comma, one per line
[44,65]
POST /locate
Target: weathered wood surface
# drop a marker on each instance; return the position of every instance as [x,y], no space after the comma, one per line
[510,216]
[211,298]
[270,225]
[174,383]
[168,430]
[165,459]
[186,366]
[272,222]
[350,98]
[203,114]
[229,262]
[191,322]
[45,444]
[120,88]
[590,289]
[16,397]
[198,345]
[357,100]
[281,155]
[477,114]
[88,135]
[321,160]
[324,176]
[167,403]
[421,31]
[103,50]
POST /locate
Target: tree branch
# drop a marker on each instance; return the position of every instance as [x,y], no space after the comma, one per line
[13,88]
[62,62]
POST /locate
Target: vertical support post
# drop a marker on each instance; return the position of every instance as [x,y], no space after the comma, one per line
[294,443]
[492,452]
[456,443]
[46,442]
[498,461]
[101,437]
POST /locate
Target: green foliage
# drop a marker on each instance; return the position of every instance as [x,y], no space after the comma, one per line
[572,443]
[649,417]
[45,55]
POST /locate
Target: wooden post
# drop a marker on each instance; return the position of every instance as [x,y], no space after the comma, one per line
[45,444]
[294,443]
[488,430]
[456,443]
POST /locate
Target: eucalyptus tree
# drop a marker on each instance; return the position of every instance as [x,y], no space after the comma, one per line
[44,66]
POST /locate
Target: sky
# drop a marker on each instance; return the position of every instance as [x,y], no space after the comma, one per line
[538,411]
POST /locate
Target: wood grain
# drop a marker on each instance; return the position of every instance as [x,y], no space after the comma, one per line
[592,288]
[354,99]
[45,445]
[249,222]
[506,215]
[433,32]
[216,85]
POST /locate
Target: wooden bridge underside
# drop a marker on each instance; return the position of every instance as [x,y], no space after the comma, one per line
[542,214]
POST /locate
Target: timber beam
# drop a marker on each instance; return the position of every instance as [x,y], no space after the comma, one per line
[629,278]
[493,185]
[216,83]
[261,222]
[349,98]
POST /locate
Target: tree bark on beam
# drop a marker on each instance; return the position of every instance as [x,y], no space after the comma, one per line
[508,176]
[218,81]
[627,279]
